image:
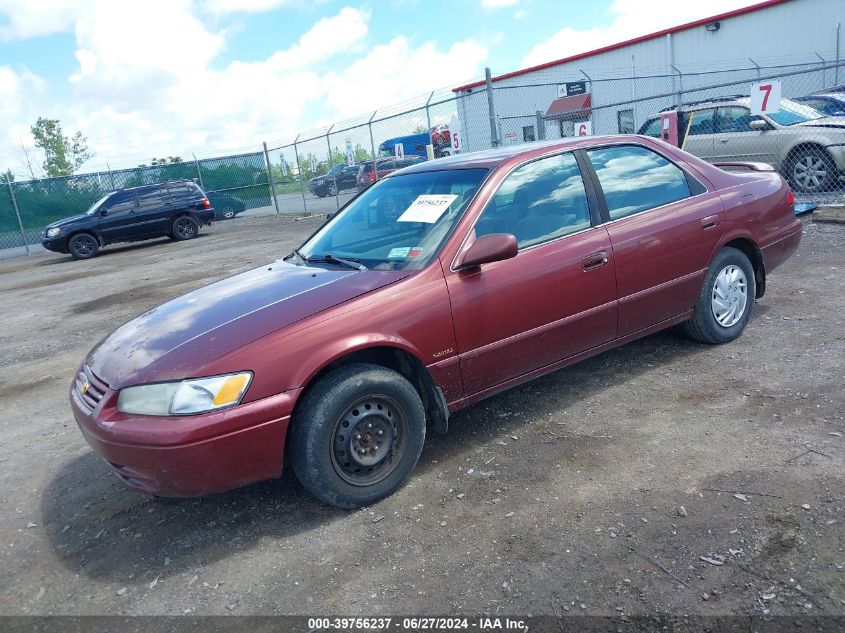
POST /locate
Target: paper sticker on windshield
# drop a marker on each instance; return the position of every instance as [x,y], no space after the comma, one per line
[427,208]
[404,252]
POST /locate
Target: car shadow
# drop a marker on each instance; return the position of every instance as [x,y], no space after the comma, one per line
[98,528]
[128,247]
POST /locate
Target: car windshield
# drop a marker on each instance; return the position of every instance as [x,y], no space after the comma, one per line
[93,208]
[792,112]
[399,223]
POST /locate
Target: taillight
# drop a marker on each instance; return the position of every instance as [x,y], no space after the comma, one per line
[790,198]
[372,176]
[206,204]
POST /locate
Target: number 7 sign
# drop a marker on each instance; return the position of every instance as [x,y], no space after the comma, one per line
[765,96]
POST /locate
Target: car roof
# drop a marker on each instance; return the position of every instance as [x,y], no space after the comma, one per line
[490,158]
[837,96]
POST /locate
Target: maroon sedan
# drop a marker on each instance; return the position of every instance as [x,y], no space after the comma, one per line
[446,282]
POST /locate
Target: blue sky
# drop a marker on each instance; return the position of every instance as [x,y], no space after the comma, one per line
[165,77]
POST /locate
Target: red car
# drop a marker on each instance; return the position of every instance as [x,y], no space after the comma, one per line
[367,170]
[442,284]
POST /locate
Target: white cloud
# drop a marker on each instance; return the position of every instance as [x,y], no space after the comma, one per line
[243,6]
[159,89]
[633,18]
[498,4]
[31,18]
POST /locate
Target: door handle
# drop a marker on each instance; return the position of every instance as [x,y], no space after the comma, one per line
[723,140]
[710,222]
[596,260]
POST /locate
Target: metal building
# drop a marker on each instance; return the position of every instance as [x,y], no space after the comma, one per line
[615,88]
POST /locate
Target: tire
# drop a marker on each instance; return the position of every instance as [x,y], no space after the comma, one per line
[726,299]
[333,189]
[346,411]
[184,227]
[811,170]
[83,246]
[228,214]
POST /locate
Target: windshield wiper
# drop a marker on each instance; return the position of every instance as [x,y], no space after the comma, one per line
[331,259]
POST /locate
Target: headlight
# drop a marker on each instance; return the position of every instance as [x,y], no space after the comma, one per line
[54,231]
[188,396]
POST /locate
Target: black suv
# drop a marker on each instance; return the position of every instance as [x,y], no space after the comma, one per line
[340,177]
[173,209]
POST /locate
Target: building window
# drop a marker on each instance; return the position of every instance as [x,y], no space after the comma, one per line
[625,119]
[528,134]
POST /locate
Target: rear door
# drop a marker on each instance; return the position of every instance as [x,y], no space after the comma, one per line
[120,221]
[699,132]
[735,140]
[663,225]
[556,298]
[154,209]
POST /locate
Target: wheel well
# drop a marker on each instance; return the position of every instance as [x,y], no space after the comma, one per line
[94,234]
[406,364]
[802,146]
[756,258]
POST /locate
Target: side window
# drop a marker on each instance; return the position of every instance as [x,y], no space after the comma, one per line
[651,128]
[528,134]
[703,122]
[150,199]
[538,202]
[121,202]
[735,119]
[636,179]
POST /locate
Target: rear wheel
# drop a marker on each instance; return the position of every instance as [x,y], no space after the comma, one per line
[357,435]
[726,300]
[184,228]
[812,169]
[83,246]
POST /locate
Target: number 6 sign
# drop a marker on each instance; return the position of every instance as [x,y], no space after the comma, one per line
[765,97]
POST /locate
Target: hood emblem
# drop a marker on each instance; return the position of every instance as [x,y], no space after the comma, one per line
[84,387]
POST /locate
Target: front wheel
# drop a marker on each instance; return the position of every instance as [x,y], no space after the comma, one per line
[726,299]
[812,170]
[357,435]
[83,246]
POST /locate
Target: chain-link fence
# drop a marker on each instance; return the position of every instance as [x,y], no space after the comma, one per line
[706,113]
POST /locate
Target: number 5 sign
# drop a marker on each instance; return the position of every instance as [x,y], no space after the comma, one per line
[765,97]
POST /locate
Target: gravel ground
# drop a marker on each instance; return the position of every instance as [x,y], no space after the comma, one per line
[661,477]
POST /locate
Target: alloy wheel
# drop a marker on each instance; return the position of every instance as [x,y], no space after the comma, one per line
[810,172]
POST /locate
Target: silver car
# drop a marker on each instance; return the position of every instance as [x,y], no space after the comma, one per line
[807,147]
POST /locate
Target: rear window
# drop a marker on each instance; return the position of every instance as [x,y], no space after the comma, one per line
[651,128]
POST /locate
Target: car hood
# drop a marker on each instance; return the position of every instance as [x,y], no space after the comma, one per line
[828,121]
[177,339]
[65,221]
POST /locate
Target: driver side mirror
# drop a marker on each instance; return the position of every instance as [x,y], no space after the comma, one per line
[758,125]
[490,248]
[104,212]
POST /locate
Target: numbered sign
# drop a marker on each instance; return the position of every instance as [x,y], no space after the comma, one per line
[455,134]
[584,128]
[765,96]
[284,166]
[350,154]
[313,164]
[399,150]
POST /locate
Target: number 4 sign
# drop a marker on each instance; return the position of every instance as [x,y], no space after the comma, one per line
[765,97]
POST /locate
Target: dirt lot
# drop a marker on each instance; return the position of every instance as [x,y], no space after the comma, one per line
[595,490]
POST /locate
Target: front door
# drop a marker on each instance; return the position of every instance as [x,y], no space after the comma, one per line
[735,140]
[556,298]
[664,226]
[118,219]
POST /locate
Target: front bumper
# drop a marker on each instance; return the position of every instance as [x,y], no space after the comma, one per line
[837,153]
[55,244]
[185,456]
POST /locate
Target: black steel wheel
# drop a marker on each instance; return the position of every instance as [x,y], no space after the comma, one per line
[184,228]
[83,246]
[356,435]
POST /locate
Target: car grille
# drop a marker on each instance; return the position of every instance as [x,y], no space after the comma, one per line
[95,389]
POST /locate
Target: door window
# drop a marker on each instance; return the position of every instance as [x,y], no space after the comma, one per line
[703,122]
[538,202]
[121,202]
[735,119]
[150,199]
[636,179]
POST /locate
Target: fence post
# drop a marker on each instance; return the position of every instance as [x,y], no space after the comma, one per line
[299,174]
[111,177]
[331,164]
[756,65]
[824,69]
[428,119]
[373,144]
[199,173]
[680,92]
[491,109]
[836,72]
[541,126]
[18,215]
[270,178]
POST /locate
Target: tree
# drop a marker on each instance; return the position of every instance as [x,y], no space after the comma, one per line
[7,176]
[62,155]
[166,161]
